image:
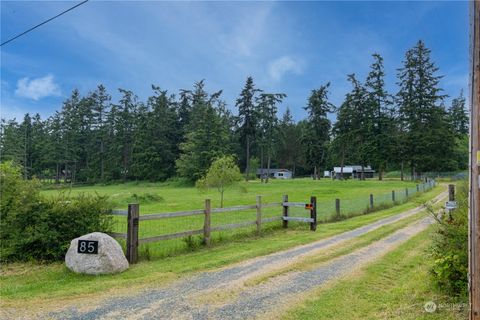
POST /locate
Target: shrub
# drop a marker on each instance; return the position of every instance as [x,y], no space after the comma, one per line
[222,174]
[34,227]
[450,247]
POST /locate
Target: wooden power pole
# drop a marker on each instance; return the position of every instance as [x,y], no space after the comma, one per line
[474,215]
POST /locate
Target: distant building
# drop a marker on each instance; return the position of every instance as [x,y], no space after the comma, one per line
[354,172]
[275,173]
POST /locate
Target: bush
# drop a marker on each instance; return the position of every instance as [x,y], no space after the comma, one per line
[38,228]
[450,247]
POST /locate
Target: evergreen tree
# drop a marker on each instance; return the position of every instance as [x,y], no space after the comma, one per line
[352,131]
[318,134]
[12,142]
[381,115]
[247,120]
[124,130]
[289,145]
[427,136]
[206,137]
[268,121]
[156,138]
[100,100]
[459,116]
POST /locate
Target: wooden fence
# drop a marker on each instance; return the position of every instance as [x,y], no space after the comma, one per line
[134,218]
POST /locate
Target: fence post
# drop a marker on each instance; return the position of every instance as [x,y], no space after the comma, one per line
[132,232]
[393,195]
[207,222]
[285,211]
[313,213]
[371,201]
[337,207]
[259,215]
[406,192]
[418,188]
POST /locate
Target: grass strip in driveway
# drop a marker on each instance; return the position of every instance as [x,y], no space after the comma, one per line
[311,261]
[395,287]
[32,284]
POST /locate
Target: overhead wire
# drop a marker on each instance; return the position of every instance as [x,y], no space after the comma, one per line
[42,23]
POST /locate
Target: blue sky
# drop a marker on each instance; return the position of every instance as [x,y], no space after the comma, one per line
[290,47]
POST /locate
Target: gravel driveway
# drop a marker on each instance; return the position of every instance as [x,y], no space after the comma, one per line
[221,294]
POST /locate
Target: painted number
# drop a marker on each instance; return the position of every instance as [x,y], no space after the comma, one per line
[88,246]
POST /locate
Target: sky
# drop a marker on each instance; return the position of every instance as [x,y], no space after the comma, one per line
[288,47]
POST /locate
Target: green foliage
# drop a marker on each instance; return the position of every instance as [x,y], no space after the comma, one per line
[206,138]
[427,138]
[222,174]
[247,121]
[36,227]
[450,247]
[268,124]
[253,168]
[317,129]
[458,115]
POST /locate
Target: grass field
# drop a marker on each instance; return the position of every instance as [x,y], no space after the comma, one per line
[395,287]
[168,197]
[41,285]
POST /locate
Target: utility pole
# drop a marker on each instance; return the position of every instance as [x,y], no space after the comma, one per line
[474,212]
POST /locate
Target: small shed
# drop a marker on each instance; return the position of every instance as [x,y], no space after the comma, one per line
[354,171]
[275,173]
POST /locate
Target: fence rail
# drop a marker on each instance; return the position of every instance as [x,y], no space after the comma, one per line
[285,216]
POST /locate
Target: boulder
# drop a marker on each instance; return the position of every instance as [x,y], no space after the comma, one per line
[99,254]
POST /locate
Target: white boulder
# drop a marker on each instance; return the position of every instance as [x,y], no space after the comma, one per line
[108,259]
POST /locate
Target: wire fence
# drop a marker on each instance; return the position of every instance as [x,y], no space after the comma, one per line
[243,221]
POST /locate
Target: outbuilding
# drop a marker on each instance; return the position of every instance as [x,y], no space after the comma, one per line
[275,173]
[354,172]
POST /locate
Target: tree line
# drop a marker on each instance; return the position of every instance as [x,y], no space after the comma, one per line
[94,139]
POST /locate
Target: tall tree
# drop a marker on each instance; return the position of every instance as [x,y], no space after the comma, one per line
[247,120]
[289,147]
[380,113]
[124,128]
[459,115]
[155,149]
[267,105]
[206,137]
[100,101]
[427,135]
[318,108]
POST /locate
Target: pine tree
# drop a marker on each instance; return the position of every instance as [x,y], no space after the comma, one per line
[459,116]
[124,129]
[427,136]
[156,138]
[382,117]
[100,100]
[206,137]
[12,142]
[247,120]
[318,135]
[268,121]
[289,145]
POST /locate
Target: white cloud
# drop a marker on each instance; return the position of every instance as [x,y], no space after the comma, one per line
[285,64]
[37,88]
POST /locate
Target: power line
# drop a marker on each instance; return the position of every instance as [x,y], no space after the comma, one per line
[40,24]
